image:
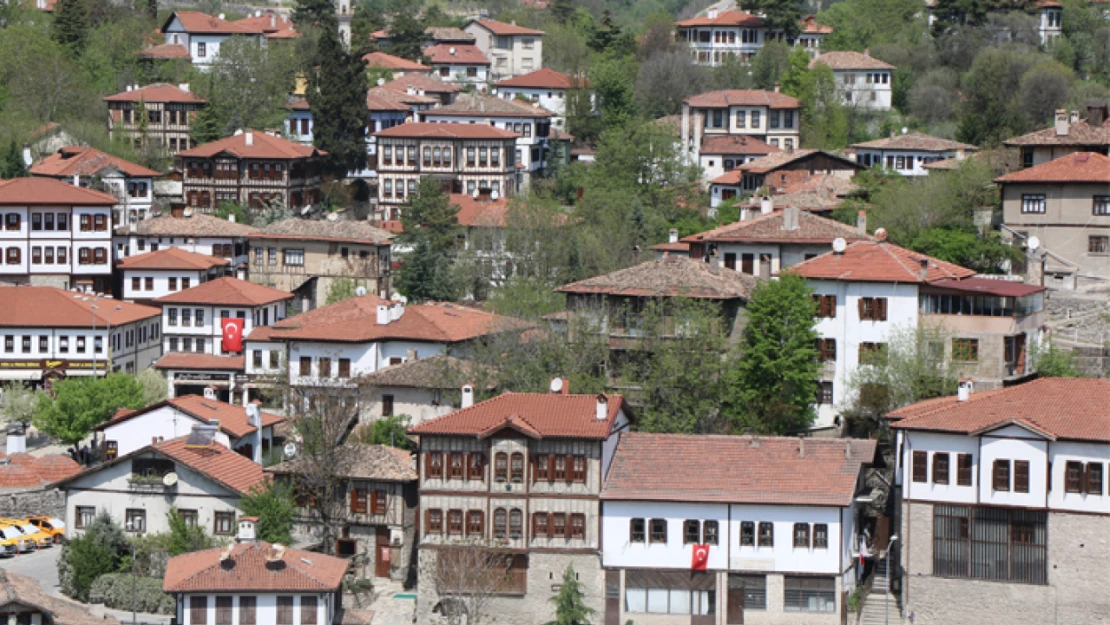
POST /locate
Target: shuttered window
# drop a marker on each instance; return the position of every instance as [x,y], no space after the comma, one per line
[379,502]
[542,470]
[455,522]
[308,610]
[247,610]
[501,467]
[940,468]
[198,610]
[579,468]
[223,610]
[285,611]
[457,466]
[1094,478]
[540,526]
[1021,476]
[1001,475]
[826,306]
[920,466]
[475,466]
[872,308]
[963,470]
[433,521]
[474,525]
[358,500]
[433,467]
[826,350]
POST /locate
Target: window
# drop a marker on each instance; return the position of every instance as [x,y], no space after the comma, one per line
[172,283]
[1032,203]
[766,534]
[826,306]
[11,221]
[560,468]
[516,523]
[248,606]
[387,405]
[501,467]
[305,369]
[189,517]
[358,500]
[940,468]
[293,257]
[801,535]
[1098,244]
[500,522]
[659,531]
[710,532]
[433,465]
[474,523]
[1021,476]
[691,532]
[225,523]
[578,526]
[965,350]
[1100,205]
[223,610]
[1073,477]
[824,393]
[741,119]
[456,466]
[455,522]
[1001,475]
[84,516]
[36,255]
[920,466]
[998,544]
[186,317]
[285,611]
[198,610]
[344,368]
[747,533]
[323,367]
[308,610]
[135,520]
[669,592]
[809,594]
[541,527]
[872,308]
[755,119]
[578,464]
[1093,478]
[872,353]
[542,470]
[820,536]
[202,51]
[826,350]
[14,254]
[517,468]
[433,522]
[475,469]
[635,530]
[559,525]
[9,344]
[963,470]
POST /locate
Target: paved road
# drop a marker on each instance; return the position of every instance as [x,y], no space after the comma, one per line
[43,566]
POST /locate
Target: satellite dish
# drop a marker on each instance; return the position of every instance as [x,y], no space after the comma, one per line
[1032,243]
[333,217]
[451,51]
[169,479]
[360,291]
[188,212]
[557,385]
[290,450]
[494,195]
[381,81]
[839,245]
[880,234]
[905,130]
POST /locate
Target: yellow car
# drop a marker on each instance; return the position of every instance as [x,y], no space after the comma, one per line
[12,540]
[36,537]
[53,526]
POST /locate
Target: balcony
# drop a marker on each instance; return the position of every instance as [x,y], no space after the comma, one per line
[149,483]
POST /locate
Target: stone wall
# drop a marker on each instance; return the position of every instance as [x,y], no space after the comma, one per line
[27,502]
[1075,594]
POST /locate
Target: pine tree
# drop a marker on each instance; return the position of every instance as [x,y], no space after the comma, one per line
[208,125]
[13,165]
[781,15]
[562,10]
[431,229]
[570,603]
[310,13]
[363,24]
[71,25]
[152,9]
[337,95]
[406,36]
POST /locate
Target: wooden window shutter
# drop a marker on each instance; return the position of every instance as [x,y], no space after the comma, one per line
[550,524]
[550,472]
[880,303]
[831,303]
[354,500]
[569,469]
[427,465]
[373,501]
[859,304]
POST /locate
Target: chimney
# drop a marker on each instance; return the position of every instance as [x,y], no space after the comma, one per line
[396,311]
[1096,114]
[924,272]
[467,396]
[766,205]
[411,354]
[1073,117]
[484,194]
[672,236]
[777,87]
[1061,123]
[273,21]
[210,392]
[801,446]
[410,90]
[790,218]
[383,315]
[231,217]
[183,86]
[248,529]
[17,440]
[714,264]
[867,52]
[960,154]
[128,88]
[963,391]
[848,449]
[711,13]
[27,159]
[861,222]
[602,411]
[222,16]
[248,138]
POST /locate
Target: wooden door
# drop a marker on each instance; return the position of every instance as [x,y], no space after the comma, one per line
[735,606]
[612,597]
[381,552]
[1019,354]
[730,261]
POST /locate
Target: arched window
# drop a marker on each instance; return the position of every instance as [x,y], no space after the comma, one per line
[517,468]
[499,523]
[501,467]
[516,523]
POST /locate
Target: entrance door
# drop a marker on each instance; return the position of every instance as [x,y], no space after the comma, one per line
[612,597]
[381,552]
[735,605]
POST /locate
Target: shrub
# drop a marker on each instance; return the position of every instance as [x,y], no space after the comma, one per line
[91,555]
[115,590]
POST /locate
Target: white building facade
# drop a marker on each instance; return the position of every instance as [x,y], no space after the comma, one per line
[863,81]
[512,50]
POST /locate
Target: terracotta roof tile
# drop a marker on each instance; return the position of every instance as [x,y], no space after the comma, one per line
[181,360]
[383,99]
[434,372]
[39,191]
[421,82]
[743,97]
[811,26]
[1061,408]
[989,286]
[197,23]
[388,61]
[723,18]
[27,591]
[380,463]
[233,419]
[735,144]
[1080,133]
[273,25]
[475,104]
[83,161]
[226,291]
[215,461]
[538,415]
[464,54]
[668,277]
[877,261]
[545,78]
[247,569]
[446,131]
[263,146]
[166,51]
[324,230]
[769,229]
[48,307]
[1075,167]
[480,213]
[737,469]
[199,225]
[171,258]
[158,92]
[776,160]
[849,60]
[501,28]
[27,471]
[916,141]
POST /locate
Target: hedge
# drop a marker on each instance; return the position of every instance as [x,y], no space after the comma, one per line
[114,590]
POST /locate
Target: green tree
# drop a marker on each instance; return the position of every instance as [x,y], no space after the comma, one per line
[341,289]
[781,15]
[570,601]
[247,86]
[71,25]
[825,123]
[772,387]
[208,125]
[364,22]
[13,165]
[769,65]
[391,431]
[430,229]
[184,537]
[273,504]
[98,550]
[407,36]
[1051,361]
[337,94]
[155,387]
[311,13]
[794,76]
[79,404]
[227,208]
[18,403]
[561,10]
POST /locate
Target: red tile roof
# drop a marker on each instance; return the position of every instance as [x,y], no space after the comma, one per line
[214,461]
[355,320]
[545,78]
[1075,167]
[180,360]
[877,261]
[248,568]
[428,84]
[226,291]
[777,160]
[262,146]
[166,51]
[478,213]
[388,61]
[672,276]
[197,225]
[735,144]
[501,28]
[273,25]
[916,141]
[723,18]
[383,99]
[171,258]
[49,307]
[1058,408]
[39,191]
[769,229]
[83,161]
[737,469]
[743,97]
[464,54]
[989,286]
[233,419]
[27,471]
[157,92]
[849,60]
[431,130]
[536,415]
[477,105]
[197,23]
[811,26]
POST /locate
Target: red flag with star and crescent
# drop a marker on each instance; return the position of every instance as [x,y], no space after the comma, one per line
[701,558]
[232,334]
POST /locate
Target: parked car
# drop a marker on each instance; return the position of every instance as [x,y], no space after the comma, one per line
[32,534]
[14,540]
[53,526]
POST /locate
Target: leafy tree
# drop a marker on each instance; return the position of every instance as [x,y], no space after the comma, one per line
[825,123]
[771,389]
[984,252]
[665,80]
[310,13]
[155,387]
[770,64]
[185,538]
[247,86]
[337,95]
[781,15]
[364,22]
[13,165]
[341,289]
[95,552]
[71,25]
[407,36]
[55,90]
[208,125]
[570,601]
[561,10]
[1043,90]
[1051,361]
[391,431]
[227,208]
[858,24]
[431,228]
[273,504]
[794,76]
[79,404]
[18,403]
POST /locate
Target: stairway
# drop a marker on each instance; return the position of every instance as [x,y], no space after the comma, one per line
[874,610]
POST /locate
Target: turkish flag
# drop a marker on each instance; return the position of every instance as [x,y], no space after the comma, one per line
[701,558]
[232,334]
